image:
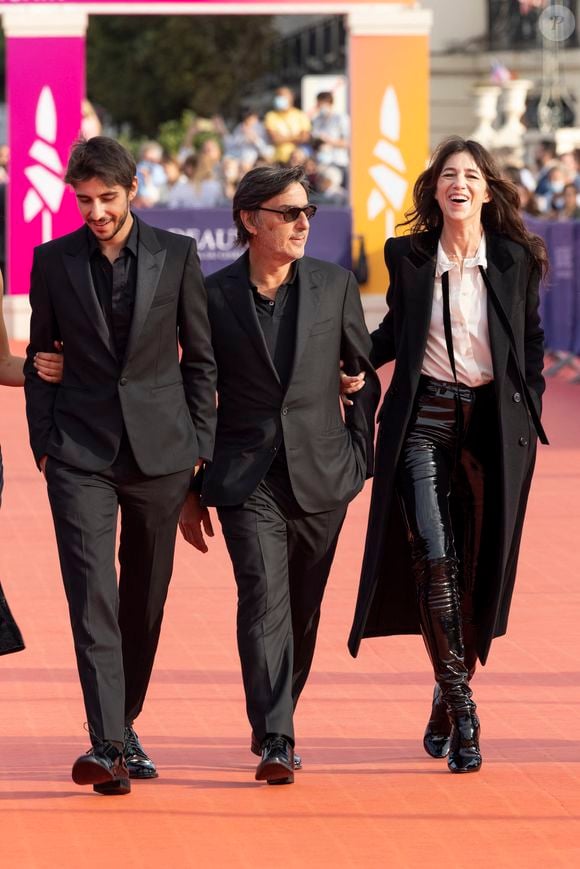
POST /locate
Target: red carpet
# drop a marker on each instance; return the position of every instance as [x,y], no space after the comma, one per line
[368,796]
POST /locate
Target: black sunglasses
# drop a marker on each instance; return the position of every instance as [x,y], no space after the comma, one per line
[293,212]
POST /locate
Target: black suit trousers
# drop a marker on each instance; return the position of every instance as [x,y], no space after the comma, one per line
[281,557]
[115,626]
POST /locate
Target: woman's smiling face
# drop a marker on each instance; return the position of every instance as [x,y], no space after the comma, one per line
[461,189]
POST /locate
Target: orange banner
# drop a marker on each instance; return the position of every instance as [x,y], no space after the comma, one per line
[389,104]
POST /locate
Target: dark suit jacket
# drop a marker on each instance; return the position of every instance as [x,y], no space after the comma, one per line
[328,461]
[166,405]
[387,599]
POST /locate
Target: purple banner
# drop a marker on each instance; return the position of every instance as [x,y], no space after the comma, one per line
[215,234]
[560,294]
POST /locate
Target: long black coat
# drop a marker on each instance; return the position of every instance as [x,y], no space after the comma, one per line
[387,599]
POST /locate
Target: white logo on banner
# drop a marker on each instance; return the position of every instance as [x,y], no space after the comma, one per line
[45,176]
[391,187]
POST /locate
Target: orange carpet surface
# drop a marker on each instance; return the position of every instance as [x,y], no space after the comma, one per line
[368,795]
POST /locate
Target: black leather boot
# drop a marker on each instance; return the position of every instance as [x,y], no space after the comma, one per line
[440,616]
[464,753]
[437,736]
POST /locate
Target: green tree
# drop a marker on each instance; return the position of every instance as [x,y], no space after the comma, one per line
[147,70]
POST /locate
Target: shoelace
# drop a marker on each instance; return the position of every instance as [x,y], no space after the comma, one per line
[132,744]
[101,746]
[277,743]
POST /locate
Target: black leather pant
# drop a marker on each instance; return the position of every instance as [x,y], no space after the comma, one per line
[441,484]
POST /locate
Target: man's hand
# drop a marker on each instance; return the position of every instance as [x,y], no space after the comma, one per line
[49,365]
[349,384]
[193,517]
[42,465]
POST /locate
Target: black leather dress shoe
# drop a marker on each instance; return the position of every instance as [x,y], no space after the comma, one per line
[255,749]
[138,762]
[277,763]
[104,768]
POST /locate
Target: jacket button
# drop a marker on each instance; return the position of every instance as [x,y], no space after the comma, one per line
[523,442]
[517,397]
[122,381]
[284,411]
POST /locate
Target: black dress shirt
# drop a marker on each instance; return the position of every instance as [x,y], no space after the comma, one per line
[277,318]
[115,285]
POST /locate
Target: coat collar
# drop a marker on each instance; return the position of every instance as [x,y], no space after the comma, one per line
[310,285]
[77,265]
[235,285]
[418,266]
[150,260]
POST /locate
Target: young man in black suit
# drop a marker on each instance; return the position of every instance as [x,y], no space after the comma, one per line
[285,463]
[124,431]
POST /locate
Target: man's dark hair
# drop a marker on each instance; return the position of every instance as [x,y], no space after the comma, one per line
[325,97]
[100,157]
[258,186]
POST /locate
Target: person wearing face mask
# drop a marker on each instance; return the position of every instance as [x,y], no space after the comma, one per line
[458,428]
[556,181]
[331,130]
[286,125]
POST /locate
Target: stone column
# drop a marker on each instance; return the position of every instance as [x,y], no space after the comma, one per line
[511,133]
[485,109]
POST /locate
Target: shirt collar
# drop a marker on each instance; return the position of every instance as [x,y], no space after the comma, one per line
[131,244]
[444,264]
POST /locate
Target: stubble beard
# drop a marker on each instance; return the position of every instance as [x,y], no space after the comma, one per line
[117,227]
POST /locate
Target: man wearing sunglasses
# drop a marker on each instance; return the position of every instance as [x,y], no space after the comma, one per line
[285,463]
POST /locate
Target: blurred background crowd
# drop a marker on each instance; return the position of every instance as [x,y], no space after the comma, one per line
[212,158]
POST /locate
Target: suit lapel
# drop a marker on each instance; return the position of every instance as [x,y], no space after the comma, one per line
[77,264]
[150,262]
[310,285]
[499,271]
[235,286]
[418,278]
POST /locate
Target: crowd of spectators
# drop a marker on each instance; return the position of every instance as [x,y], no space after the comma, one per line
[551,188]
[206,176]
[212,159]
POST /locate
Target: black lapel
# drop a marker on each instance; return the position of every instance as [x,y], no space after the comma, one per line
[418,279]
[150,262]
[77,265]
[499,270]
[310,285]
[235,285]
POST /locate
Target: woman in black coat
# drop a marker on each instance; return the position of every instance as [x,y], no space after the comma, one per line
[458,427]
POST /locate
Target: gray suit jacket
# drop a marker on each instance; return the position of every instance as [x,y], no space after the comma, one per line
[328,458]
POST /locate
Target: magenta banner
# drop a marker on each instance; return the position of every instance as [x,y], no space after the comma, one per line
[160,3]
[45,79]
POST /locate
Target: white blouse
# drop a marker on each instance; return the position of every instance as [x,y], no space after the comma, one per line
[468,307]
